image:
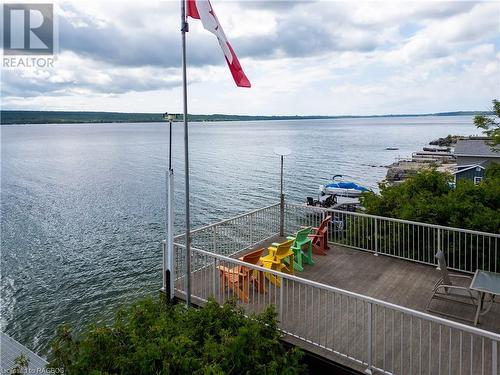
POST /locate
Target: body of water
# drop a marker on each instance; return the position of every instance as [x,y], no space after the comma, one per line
[83,204]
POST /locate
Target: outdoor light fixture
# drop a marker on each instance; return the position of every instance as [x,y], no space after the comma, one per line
[169,213]
[282,151]
[171,116]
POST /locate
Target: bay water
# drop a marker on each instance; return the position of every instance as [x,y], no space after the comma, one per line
[83,204]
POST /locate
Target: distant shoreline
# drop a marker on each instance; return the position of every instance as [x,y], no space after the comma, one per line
[12,117]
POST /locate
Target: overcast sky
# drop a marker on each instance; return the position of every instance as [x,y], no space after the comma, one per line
[322,57]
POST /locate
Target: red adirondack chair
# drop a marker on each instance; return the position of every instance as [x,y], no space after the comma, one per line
[320,237]
[239,278]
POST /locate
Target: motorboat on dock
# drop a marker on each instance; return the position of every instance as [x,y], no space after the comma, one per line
[339,194]
[340,187]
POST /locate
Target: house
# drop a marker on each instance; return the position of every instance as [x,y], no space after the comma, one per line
[473,155]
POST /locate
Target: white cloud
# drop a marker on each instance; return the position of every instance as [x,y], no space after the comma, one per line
[302,58]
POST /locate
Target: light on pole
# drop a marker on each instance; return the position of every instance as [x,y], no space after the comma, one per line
[169,215]
[170,117]
[282,152]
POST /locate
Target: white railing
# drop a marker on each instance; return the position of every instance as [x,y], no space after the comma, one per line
[228,237]
[372,333]
[465,250]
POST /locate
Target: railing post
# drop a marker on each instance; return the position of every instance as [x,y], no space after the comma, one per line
[369,360]
[439,246]
[439,240]
[376,237]
[282,286]
[494,358]
[251,230]
[214,280]
[214,239]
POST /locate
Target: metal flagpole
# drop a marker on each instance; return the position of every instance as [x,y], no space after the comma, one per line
[184,29]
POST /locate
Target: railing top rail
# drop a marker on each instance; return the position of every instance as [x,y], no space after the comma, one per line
[418,314]
[321,209]
[227,220]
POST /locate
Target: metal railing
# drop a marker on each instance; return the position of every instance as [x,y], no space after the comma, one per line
[465,250]
[228,237]
[374,334]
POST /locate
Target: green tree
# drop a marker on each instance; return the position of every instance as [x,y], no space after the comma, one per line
[490,124]
[430,198]
[21,365]
[152,337]
[417,198]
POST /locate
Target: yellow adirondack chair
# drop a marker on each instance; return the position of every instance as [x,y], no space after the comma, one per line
[275,260]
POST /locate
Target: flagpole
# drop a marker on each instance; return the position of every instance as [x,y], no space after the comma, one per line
[184,29]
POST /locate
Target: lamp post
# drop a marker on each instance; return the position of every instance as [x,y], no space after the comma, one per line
[169,214]
[282,151]
[170,117]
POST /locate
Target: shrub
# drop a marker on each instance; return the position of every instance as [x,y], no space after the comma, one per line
[428,197]
[152,337]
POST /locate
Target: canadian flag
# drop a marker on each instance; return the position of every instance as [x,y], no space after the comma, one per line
[202,10]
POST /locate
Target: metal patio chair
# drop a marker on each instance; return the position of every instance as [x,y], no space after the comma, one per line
[458,292]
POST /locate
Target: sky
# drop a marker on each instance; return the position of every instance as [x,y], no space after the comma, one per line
[302,58]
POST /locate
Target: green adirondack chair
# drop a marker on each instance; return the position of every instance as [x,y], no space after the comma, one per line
[302,248]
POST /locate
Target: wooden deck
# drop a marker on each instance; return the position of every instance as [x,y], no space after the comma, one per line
[331,320]
[391,280]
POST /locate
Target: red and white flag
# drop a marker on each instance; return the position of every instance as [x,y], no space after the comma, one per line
[202,10]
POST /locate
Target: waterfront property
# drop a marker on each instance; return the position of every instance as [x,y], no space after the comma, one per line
[476,150]
[473,155]
[362,304]
[474,173]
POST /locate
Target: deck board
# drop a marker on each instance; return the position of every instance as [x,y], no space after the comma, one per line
[335,321]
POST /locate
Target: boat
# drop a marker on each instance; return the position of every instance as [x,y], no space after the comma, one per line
[339,195]
[342,188]
[392,148]
[336,202]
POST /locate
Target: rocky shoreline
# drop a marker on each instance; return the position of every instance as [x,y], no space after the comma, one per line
[440,156]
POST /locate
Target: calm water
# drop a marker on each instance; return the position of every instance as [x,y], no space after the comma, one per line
[83,205]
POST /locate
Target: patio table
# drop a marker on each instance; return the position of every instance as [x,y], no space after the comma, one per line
[485,282]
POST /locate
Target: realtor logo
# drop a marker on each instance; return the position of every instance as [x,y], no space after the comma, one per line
[28,29]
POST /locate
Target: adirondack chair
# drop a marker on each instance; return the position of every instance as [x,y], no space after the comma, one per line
[302,248]
[275,260]
[320,237]
[239,278]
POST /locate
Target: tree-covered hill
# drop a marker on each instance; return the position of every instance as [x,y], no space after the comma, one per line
[8,117]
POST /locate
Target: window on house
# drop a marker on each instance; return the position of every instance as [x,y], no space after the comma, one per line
[477,180]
